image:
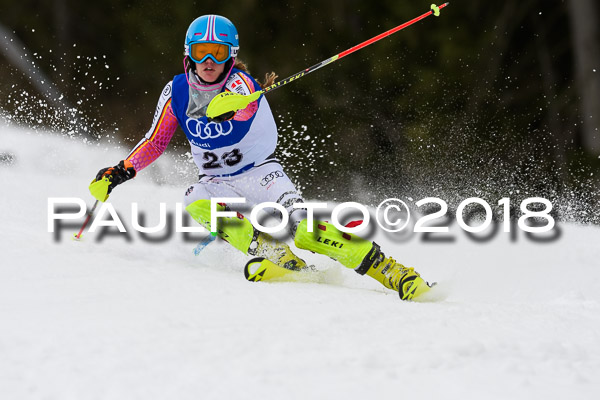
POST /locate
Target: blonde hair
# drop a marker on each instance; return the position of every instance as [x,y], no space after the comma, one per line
[269,77]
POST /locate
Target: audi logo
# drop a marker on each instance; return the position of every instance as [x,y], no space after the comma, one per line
[275,174]
[208,130]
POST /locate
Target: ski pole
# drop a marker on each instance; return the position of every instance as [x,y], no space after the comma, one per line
[229,101]
[98,189]
[89,215]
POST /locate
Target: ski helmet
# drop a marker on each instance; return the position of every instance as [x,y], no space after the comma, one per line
[211,36]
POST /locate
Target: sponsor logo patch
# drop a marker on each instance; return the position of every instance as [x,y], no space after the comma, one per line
[271,177]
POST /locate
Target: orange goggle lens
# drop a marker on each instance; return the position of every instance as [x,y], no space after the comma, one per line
[217,51]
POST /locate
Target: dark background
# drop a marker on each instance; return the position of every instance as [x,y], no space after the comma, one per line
[491,99]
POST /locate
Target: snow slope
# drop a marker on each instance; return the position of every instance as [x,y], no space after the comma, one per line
[114,319]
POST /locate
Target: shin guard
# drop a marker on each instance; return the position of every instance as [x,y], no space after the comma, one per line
[350,250]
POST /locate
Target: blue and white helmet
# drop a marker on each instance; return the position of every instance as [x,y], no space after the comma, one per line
[212,29]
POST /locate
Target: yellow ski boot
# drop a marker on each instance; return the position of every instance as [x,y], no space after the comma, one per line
[275,260]
[363,256]
[279,253]
[393,275]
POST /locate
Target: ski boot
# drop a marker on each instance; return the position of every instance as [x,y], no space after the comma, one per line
[279,253]
[363,256]
[239,232]
[393,275]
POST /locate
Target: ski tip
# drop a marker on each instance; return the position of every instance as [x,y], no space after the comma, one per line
[254,270]
[436,293]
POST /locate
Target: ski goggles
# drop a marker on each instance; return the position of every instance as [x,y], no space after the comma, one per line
[218,52]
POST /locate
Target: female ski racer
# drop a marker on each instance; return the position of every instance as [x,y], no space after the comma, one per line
[235,155]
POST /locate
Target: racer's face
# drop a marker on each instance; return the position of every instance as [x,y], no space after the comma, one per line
[209,70]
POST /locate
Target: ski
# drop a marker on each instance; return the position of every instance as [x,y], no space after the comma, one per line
[260,269]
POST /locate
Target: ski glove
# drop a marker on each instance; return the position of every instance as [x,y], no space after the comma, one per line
[118,174]
[223,117]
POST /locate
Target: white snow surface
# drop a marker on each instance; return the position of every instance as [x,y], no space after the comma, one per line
[114,319]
